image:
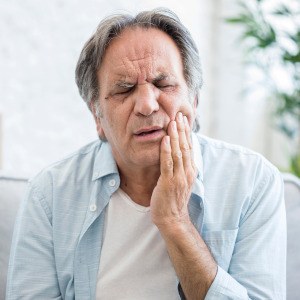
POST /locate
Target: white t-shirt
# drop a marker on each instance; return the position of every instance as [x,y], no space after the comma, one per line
[134,262]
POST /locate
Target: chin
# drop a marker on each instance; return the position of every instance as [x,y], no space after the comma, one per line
[148,159]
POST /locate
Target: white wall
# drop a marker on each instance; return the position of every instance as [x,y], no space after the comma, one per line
[233,115]
[43,117]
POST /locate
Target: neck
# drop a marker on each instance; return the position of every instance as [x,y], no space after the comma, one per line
[138,184]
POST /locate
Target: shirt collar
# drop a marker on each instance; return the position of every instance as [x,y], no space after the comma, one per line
[198,158]
[196,203]
[104,163]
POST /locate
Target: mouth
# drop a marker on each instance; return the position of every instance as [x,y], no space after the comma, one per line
[150,133]
[144,133]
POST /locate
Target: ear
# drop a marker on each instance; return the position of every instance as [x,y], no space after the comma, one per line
[97,119]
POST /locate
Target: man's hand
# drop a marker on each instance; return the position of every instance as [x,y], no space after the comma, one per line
[169,201]
[192,261]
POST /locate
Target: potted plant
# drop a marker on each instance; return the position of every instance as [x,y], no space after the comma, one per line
[271,40]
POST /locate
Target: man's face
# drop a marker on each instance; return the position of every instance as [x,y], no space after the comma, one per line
[142,87]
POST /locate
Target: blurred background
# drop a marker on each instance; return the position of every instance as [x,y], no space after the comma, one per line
[250,56]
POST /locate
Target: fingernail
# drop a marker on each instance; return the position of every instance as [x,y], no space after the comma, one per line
[180,117]
[186,122]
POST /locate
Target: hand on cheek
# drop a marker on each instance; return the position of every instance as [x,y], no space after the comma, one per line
[169,201]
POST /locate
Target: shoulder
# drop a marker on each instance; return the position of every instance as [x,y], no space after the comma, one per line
[64,182]
[237,179]
[231,156]
[232,168]
[62,171]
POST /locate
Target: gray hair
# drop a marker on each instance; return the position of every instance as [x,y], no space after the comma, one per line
[163,19]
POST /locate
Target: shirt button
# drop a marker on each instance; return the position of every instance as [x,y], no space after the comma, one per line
[93,207]
[112,182]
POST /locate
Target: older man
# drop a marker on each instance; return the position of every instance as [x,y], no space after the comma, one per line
[127,217]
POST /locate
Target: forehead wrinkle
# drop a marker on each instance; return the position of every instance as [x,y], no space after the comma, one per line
[140,65]
[129,71]
[140,58]
[142,69]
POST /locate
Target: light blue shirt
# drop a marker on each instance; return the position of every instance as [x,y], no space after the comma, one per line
[237,206]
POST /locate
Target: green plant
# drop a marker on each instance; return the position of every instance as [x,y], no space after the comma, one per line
[271,38]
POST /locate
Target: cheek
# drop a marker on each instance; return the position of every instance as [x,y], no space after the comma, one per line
[189,112]
[115,122]
[184,107]
[179,101]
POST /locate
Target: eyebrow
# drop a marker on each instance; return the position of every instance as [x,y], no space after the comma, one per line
[161,77]
[126,84]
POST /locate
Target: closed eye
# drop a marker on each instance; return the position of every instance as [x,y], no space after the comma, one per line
[165,82]
[124,91]
[165,87]
[123,88]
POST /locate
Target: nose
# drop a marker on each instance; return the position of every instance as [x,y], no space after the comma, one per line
[146,100]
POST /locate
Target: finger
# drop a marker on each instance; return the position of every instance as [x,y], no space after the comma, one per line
[187,131]
[175,148]
[166,161]
[183,142]
[188,135]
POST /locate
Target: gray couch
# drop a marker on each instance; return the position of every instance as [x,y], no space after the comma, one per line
[12,191]
[292,201]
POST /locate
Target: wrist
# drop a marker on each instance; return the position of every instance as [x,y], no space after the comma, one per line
[175,227]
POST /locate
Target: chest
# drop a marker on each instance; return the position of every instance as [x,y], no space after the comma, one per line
[134,261]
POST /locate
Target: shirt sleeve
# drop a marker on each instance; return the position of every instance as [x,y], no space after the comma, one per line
[257,268]
[32,273]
